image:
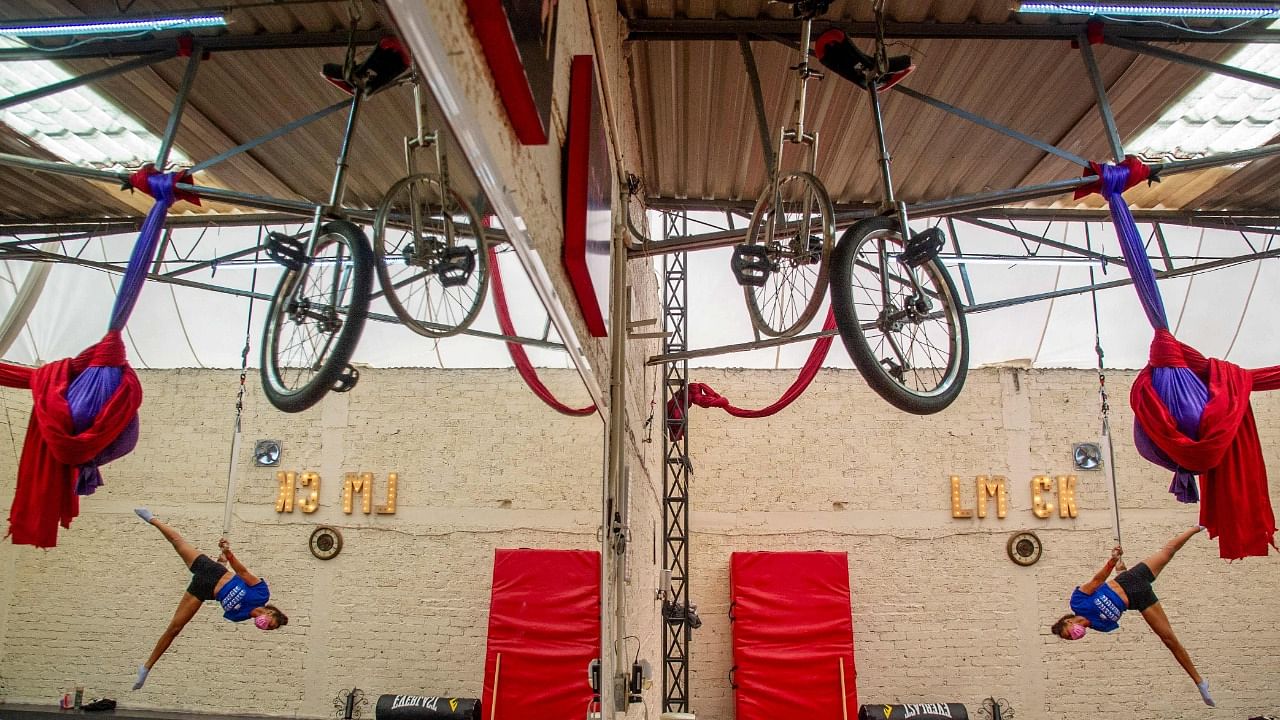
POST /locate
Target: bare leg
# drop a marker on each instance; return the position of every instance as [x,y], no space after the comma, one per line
[1162,557]
[187,608]
[1159,623]
[185,549]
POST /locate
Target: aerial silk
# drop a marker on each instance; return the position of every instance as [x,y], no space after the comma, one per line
[84,412]
[1192,414]
[702,395]
[518,355]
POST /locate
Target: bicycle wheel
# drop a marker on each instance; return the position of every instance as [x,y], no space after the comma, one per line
[793,223]
[911,346]
[316,318]
[431,256]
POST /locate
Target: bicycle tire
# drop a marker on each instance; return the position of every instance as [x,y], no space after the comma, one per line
[775,320]
[448,310]
[340,342]
[850,258]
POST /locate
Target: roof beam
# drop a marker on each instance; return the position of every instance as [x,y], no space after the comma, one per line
[656,29]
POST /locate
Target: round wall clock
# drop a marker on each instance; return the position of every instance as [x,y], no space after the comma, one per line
[326,542]
[1024,548]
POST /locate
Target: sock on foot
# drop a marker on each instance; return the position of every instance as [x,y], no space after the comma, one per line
[142,676]
[145,514]
[1203,687]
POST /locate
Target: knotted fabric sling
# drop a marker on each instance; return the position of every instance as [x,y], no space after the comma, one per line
[1192,414]
[84,409]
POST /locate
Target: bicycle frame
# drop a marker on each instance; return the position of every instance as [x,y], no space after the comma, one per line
[336,194]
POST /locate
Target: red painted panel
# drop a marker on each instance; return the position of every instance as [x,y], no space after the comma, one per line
[588,198]
[792,627]
[544,621]
[502,51]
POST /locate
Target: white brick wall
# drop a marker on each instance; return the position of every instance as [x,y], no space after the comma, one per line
[939,612]
[482,463]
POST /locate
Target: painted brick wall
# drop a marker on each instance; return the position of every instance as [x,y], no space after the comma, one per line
[939,611]
[482,463]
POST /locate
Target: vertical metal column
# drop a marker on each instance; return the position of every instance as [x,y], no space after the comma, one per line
[675,473]
[1104,106]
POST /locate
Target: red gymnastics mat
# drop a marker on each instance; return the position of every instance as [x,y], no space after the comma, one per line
[792,636]
[544,630]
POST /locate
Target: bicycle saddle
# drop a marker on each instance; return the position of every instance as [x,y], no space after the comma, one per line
[388,61]
[838,53]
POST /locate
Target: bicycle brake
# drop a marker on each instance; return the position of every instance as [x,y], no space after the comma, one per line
[287,250]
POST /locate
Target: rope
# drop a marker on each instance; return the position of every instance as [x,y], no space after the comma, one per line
[1103,399]
[229,502]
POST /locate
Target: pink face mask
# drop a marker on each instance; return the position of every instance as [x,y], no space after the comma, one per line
[264,622]
[1075,632]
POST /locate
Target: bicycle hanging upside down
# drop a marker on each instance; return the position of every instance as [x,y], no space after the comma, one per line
[897,309]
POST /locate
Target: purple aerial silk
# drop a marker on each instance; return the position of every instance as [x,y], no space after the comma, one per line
[89,392]
[1183,393]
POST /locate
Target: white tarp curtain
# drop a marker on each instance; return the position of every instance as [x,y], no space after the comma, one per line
[174,326]
[1225,313]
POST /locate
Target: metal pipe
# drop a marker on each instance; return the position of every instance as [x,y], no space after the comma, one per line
[806,28]
[757,98]
[668,29]
[1065,247]
[325,112]
[84,79]
[878,121]
[1160,275]
[179,104]
[1104,106]
[992,125]
[1193,61]
[1164,247]
[37,256]
[116,48]
[615,495]
[964,269]
[340,174]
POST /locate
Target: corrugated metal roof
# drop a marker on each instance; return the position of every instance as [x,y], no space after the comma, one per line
[236,97]
[693,102]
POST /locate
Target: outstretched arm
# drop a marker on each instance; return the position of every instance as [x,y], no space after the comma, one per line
[1092,586]
[187,608]
[237,566]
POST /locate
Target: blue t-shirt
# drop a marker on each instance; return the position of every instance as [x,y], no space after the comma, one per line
[1102,609]
[239,600]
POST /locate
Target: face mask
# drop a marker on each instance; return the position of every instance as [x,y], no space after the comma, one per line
[264,622]
[1075,631]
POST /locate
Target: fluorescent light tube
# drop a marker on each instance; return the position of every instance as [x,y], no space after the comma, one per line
[1239,12]
[67,27]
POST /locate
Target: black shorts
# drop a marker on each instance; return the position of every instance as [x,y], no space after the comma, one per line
[1136,582]
[205,575]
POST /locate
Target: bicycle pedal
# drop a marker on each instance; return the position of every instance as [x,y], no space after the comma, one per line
[923,247]
[455,266]
[347,380]
[287,250]
[751,265]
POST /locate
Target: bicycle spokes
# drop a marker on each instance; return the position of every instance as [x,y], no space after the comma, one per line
[784,260]
[431,254]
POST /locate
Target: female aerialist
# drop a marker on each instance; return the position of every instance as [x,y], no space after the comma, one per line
[242,594]
[1098,604]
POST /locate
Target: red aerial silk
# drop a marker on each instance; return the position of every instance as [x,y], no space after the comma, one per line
[45,496]
[702,395]
[1236,507]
